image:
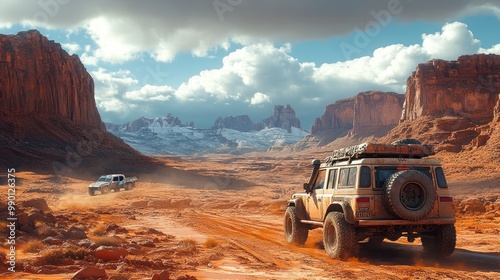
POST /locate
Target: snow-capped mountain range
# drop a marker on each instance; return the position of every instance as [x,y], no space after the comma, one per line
[168,136]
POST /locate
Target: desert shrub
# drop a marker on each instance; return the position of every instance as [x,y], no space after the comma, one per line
[187,246]
[33,246]
[55,257]
[107,240]
[99,230]
[210,243]
[74,253]
[44,230]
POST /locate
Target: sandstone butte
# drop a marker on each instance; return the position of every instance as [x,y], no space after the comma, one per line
[451,104]
[368,113]
[48,113]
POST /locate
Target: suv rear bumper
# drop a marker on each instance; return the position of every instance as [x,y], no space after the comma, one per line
[440,221]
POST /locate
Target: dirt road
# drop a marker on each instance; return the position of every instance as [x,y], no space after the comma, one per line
[235,229]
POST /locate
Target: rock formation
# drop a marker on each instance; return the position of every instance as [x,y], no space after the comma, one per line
[368,113]
[283,117]
[451,104]
[241,123]
[40,78]
[376,112]
[466,88]
[48,115]
[339,115]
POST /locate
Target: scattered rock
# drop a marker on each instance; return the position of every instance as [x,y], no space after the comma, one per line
[164,275]
[53,241]
[37,203]
[76,233]
[109,253]
[472,205]
[90,272]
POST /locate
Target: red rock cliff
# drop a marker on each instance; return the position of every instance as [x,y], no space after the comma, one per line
[368,113]
[376,112]
[465,88]
[48,116]
[39,77]
[339,115]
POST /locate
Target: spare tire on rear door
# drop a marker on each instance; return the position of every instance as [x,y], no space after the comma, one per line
[409,194]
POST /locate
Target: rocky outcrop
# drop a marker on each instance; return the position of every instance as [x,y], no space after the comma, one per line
[283,117]
[368,113]
[339,115]
[241,123]
[466,88]
[376,112]
[48,115]
[453,105]
[40,78]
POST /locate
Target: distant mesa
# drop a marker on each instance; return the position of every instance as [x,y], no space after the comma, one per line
[368,113]
[48,115]
[283,117]
[241,123]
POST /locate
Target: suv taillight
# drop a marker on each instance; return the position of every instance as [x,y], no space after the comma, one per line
[362,199]
[445,199]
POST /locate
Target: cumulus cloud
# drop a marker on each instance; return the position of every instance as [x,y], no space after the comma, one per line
[150,93]
[71,48]
[493,50]
[124,29]
[454,40]
[259,98]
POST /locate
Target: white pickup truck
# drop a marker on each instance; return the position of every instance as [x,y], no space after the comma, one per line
[115,182]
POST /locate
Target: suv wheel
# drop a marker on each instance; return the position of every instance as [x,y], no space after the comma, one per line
[91,191]
[105,190]
[410,194]
[295,231]
[338,236]
[442,244]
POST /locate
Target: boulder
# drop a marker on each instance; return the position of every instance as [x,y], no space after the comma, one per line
[37,203]
[90,272]
[164,275]
[110,253]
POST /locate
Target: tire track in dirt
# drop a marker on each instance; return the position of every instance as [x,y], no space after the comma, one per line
[264,241]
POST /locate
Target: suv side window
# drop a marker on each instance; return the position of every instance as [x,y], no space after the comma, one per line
[365,178]
[115,179]
[320,180]
[333,178]
[441,180]
[347,177]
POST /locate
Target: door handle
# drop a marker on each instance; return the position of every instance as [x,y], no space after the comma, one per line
[319,199]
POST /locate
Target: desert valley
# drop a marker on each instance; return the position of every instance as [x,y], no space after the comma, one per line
[218,214]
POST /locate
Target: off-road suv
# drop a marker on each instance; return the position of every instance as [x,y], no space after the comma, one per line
[369,192]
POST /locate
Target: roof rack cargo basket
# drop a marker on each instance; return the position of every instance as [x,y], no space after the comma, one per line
[377,150]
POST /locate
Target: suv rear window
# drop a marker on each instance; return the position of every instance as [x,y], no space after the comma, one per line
[382,173]
[347,177]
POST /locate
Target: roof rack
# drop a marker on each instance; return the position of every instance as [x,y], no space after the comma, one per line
[376,150]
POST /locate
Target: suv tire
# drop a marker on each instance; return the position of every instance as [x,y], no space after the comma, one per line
[338,236]
[91,191]
[443,243]
[295,231]
[410,194]
[104,190]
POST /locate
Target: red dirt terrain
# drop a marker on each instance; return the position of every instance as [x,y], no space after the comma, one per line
[220,217]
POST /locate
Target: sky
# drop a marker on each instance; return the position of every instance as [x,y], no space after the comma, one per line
[201,59]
